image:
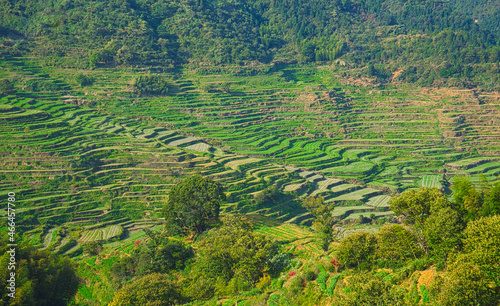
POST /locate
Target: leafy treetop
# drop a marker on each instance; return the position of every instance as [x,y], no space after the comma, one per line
[193,204]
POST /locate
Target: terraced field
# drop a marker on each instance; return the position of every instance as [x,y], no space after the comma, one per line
[307,118]
[432,181]
[75,168]
[102,156]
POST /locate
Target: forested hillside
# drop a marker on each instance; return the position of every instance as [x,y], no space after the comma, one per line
[427,40]
[484,12]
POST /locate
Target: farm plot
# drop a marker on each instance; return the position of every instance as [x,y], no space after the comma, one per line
[106,233]
[343,188]
[471,162]
[485,167]
[199,147]
[183,141]
[238,163]
[342,212]
[293,187]
[356,168]
[375,214]
[432,181]
[358,195]
[379,201]
[285,232]
[325,185]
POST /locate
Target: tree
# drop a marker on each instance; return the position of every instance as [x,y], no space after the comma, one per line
[396,243]
[357,248]
[466,197]
[466,284]
[151,83]
[245,252]
[94,59]
[165,254]
[233,259]
[267,196]
[443,232]
[124,55]
[482,245]
[324,221]
[92,248]
[42,278]
[193,204]
[491,204]
[153,289]
[6,86]
[83,80]
[307,51]
[371,289]
[416,205]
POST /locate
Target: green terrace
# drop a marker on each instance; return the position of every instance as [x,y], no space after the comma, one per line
[116,154]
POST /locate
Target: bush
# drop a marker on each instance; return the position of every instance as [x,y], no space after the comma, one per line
[67,246]
[309,275]
[92,248]
[264,282]
[83,80]
[6,86]
[321,280]
[152,84]
[333,283]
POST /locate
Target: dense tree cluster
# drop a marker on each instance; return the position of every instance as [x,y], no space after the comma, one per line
[461,236]
[152,289]
[434,42]
[158,254]
[151,84]
[233,259]
[41,278]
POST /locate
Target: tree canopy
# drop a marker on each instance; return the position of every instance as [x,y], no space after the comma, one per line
[417,205]
[193,204]
[167,33]
[357,248]
[233,258]
[42,278]
[153,289]
[324,221]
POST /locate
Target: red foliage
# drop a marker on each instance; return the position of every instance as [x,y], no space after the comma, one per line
[335,262]
[291,274]
[137,243]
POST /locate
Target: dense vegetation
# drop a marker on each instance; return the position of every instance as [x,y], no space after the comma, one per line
[41,278]
[431,42]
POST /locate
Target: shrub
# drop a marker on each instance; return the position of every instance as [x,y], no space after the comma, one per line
[92,248]
[321,280]
[357,248]
[152,84]
[6,86]
[264,282]
[309,275]
[83,80]
[333,283]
